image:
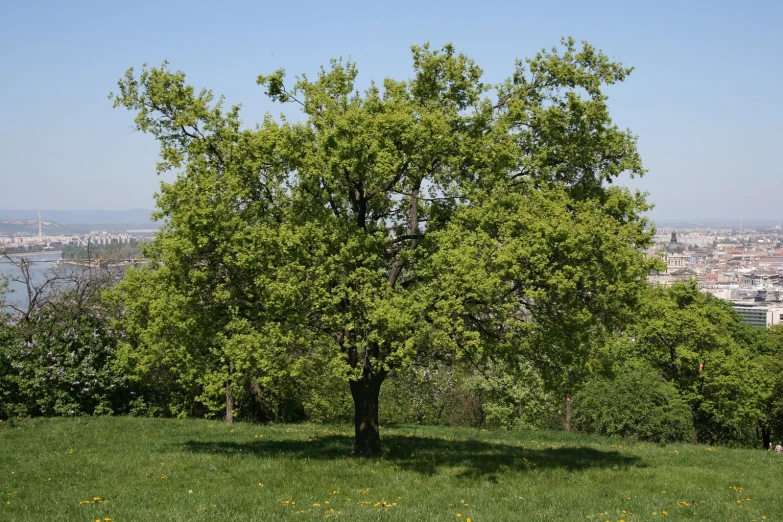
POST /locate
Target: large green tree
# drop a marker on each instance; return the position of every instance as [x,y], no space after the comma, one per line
[435,217]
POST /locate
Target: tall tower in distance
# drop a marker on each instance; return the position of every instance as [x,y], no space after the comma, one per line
[740,224]
[40,227]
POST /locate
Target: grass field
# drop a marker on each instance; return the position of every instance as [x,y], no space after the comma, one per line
[134,469]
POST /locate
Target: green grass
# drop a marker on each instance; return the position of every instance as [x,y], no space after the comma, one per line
[163,469]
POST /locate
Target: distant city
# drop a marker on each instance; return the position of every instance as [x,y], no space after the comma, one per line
[24,235]
[742,264]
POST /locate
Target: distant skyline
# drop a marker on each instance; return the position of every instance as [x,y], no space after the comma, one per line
[705,98]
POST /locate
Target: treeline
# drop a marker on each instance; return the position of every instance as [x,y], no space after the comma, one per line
[686,369]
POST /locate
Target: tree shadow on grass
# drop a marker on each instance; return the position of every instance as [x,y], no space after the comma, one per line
[426,455]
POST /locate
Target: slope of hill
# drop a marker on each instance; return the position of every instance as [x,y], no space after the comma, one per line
[133,468]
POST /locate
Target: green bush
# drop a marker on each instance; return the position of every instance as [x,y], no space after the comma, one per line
[511,395]
[416,396]
[638,403]
[61,362]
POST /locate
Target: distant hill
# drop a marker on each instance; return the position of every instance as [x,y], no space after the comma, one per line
[82,217]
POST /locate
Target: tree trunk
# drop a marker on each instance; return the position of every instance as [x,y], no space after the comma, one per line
[766,437]
[229,403]
[367,438]
[568,413]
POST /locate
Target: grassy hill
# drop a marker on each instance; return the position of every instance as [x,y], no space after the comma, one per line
[131,469]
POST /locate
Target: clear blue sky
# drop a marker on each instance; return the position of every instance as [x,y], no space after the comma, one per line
[706,98]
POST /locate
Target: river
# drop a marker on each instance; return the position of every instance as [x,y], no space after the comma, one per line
[42,262]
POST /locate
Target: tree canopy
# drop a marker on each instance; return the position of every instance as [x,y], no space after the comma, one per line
[434,218]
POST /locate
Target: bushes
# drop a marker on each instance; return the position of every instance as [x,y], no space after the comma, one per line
[416,396]
[504,396]
[638,403]
[60,362]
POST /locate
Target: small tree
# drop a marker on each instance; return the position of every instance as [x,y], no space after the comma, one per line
[438,217]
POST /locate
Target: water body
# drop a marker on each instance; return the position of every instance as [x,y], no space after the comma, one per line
[42,263]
